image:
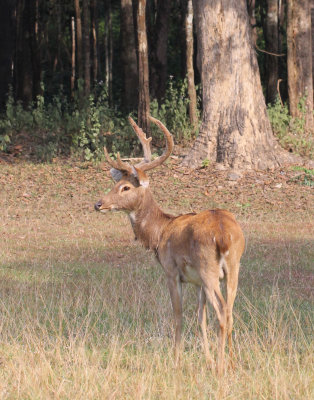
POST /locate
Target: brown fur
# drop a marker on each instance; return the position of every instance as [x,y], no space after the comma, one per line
[190,248]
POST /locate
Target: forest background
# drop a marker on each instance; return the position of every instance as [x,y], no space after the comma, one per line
[71,71]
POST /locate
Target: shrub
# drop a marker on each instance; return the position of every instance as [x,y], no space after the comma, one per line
[174,112]
[290,131]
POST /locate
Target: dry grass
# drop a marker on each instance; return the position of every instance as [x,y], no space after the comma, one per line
[85,311]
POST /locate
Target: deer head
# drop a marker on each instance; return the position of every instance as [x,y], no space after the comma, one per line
[131,181]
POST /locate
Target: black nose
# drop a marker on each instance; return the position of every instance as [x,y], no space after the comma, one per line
[97,206]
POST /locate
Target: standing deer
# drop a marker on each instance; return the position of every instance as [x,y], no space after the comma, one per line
[197,248]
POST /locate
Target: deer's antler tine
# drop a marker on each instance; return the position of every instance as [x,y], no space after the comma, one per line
[145,142]
[119,164]
[169,147]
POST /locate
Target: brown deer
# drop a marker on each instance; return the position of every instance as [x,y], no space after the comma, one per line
[197,248]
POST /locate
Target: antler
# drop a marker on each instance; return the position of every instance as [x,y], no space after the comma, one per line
[147,163]
[145,142]
[118,164]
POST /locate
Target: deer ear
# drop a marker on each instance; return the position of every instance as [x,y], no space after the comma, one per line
[141,177]
[116,174]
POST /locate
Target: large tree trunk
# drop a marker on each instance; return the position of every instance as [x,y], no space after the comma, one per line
[235,128]
[143,87]
[159,51]
[272,46]
[128,56]
[300,79]
[189,63]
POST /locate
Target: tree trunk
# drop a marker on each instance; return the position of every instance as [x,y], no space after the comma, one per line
[6,49]
[79,39]
[86,46]
[272,46]
[189,63]
[159,51]
[128,56]
[251,11]
[300,79]
[95,38]
[73,56]
[108,49]
[312,37]
[23,71]
[235,128]
[143,87]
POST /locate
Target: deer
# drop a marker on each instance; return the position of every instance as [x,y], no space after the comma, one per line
[199,248]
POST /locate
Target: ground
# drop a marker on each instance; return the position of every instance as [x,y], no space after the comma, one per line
[85,312]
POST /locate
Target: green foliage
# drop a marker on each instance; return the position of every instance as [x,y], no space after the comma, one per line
[306,176]
[174,112]
[205,163]
[56,127]
[290,131]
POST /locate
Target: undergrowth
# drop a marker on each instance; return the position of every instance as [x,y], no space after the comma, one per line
[291,131]
[83,126]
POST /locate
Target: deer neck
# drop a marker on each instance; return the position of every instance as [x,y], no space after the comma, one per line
[148,221]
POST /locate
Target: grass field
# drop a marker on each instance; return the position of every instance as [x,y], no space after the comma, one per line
[84,309]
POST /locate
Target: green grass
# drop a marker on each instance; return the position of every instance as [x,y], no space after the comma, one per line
[85,311]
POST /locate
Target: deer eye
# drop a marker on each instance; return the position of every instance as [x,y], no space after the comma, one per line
[125,188]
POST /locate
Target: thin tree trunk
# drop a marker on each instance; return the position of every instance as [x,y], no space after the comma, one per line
[272,46]
[86,46]
[300,79]
[235,129]
[312,37]
[189,63]
[108,49]
[78,39]
[143,103]
[95,38]
[23,62]
[159,51]
[128,56]
[251,11]
[73,56]
[6,49]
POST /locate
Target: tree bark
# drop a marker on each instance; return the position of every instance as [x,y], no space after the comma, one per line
[143,102]
[300,79]
[312,37]
[79,39]
[108,49]
[159,51]
[189,63]
[94,22]
[128,56]
[251,11]
[6,49]
[272,46]
[235,128]
[73,56]
[23,70]
[86,46]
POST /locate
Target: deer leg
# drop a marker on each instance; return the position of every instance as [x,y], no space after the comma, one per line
[214,295]
[203,325]
[175,289]
[232,285]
